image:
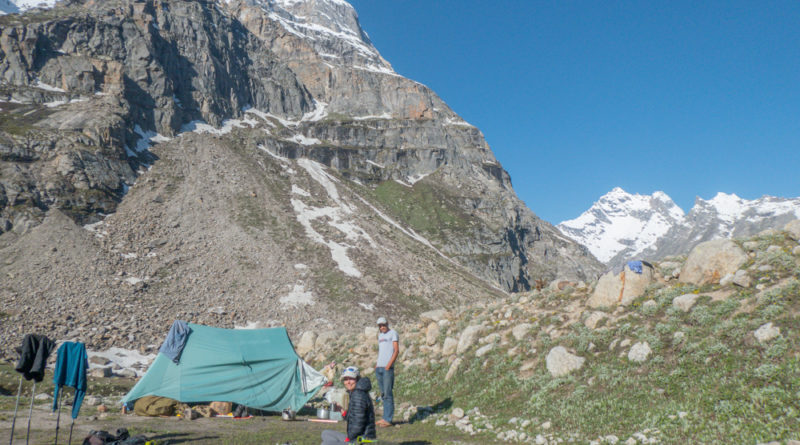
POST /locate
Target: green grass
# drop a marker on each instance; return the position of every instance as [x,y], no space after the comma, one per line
[426,208]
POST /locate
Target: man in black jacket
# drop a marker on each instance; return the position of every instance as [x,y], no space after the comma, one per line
[360,414]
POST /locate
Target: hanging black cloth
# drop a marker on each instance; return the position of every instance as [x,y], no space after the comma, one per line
[33,356]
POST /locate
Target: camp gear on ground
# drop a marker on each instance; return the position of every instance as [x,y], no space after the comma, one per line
[240,411]
[122,437]
[176,340]
[351,372]
[323,413]
[222,407]
[360,411]
[155,406]
[33,355]
[257,368]
[71,366]
[288,414]
[330,437]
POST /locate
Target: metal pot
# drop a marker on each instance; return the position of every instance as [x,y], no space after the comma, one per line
[323,413]
[288,414]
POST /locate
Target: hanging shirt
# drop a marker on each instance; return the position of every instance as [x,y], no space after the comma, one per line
[176,340]
[71,365]
[33,356]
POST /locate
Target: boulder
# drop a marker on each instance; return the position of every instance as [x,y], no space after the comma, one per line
[620,288]
[453,368]
[742,279]
[793,229]
[712,260]
[685,302]
[432,333]
[483,350]
[371,335]
[306,343]
[766,332]
[594,318]
[326,338]
[449,346]
[521,330]
[104,371]
[639,352]
[435,316]
[560,362]
[468,338]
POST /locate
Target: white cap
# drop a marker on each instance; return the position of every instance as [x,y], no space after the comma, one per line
[350,371]
[382,320]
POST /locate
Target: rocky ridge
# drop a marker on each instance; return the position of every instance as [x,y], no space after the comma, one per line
[89,87]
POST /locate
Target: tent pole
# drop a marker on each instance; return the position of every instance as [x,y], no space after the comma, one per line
[70,431]
[30,413]
[58,417]
[16,405]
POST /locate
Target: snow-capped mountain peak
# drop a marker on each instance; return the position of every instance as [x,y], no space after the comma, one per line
[330,26]
[620,222]
[622,226]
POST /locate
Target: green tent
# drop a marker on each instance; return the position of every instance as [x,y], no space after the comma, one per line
[257,368]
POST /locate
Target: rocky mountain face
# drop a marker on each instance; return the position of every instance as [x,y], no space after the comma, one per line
[242,161]
[621,226]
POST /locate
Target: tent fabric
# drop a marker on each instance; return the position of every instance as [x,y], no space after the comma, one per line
[257,368]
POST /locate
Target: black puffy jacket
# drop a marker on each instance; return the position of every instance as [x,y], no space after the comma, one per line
[361,412]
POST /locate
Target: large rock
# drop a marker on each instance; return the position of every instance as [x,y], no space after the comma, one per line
[306,343]
[449,347]
[435,316]
[594,319]
[685,302]
[560,362]
[639,352]
[468,338]
[712,260]
[453,369]
[432,333]
[621,288]
[766,332]
[521,330]
[371,335]
[793,228]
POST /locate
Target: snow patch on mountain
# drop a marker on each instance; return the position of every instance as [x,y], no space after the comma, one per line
[620,221]
[621,225]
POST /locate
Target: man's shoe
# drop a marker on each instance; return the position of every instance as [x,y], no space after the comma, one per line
[383,423]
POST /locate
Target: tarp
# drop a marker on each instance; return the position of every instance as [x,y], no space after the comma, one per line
[257,368]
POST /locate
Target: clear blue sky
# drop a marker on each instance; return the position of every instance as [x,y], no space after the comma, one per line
[577,97]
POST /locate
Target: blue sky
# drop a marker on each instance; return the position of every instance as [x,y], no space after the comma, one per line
[578,97]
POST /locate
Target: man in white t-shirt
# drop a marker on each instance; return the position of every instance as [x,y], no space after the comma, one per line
[388,348]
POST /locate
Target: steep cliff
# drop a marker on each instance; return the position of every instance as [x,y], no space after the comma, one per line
[97,96]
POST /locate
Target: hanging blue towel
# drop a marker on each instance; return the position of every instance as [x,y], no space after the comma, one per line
[635,266]
[176,340]
[71,366]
